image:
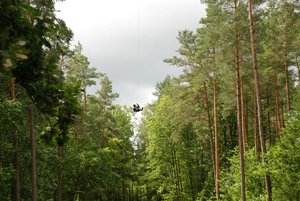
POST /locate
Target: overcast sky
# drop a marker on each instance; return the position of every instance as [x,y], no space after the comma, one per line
[130,39]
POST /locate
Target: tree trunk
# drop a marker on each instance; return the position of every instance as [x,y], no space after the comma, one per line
[244,122]
[33,156]
[60,174]
[258,98]
[287,88]
[269,121]
[256,138]
[210,130]
[12,89]
[277,114]
[298,67]
[84,117]
[33,144]
[239,115]
[17,185]
[282,116]
[277,107]
[217,182]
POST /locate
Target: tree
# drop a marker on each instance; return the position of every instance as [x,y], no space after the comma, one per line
[281,24]
[284,161]
[217,178]
[78,70]
[258,98]
[12,124]
[32,46]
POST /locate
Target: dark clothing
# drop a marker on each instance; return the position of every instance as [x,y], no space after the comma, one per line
[137,108]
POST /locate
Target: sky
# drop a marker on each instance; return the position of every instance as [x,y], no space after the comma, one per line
[128,40]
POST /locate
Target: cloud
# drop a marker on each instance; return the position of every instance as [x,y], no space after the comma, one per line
[126,39]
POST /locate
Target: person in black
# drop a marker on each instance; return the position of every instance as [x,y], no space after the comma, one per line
[137,108]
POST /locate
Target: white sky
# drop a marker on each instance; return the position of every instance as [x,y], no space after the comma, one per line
[130,39]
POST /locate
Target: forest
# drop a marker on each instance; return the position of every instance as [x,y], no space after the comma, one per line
[227,128]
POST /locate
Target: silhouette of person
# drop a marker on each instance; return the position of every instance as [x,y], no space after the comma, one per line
[137,108]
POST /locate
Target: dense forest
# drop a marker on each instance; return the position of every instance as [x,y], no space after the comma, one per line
[227,128]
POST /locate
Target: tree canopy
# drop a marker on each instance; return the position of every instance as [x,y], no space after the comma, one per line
[226,128]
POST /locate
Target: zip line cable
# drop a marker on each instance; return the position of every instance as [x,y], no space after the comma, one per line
[136,107]
[138,65]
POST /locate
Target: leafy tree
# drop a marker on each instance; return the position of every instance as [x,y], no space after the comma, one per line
[283,160]
[12,121]
[32,41]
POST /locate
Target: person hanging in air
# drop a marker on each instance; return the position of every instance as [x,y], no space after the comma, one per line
[137,108]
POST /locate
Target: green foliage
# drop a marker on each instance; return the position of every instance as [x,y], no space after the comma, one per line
[174,159]
[100,149]
[254,172]
[171,157]
[284,160]
[12,120]
[180,114]
[82,165]
[78,70]
[32,42]
[283,166]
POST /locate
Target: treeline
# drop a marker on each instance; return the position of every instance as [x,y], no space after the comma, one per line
[228,127]
[57,142]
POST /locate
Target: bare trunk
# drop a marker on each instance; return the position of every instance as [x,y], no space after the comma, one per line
[277,108]
[244,124]
[277,112]
[84,118]
[210,130]
[269,121]
[287,88]
[282,115]
[12,89]
[217,182]
[33,156]
[256,137]
[258,98]
[239,117]
[297,63]
[217,176]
